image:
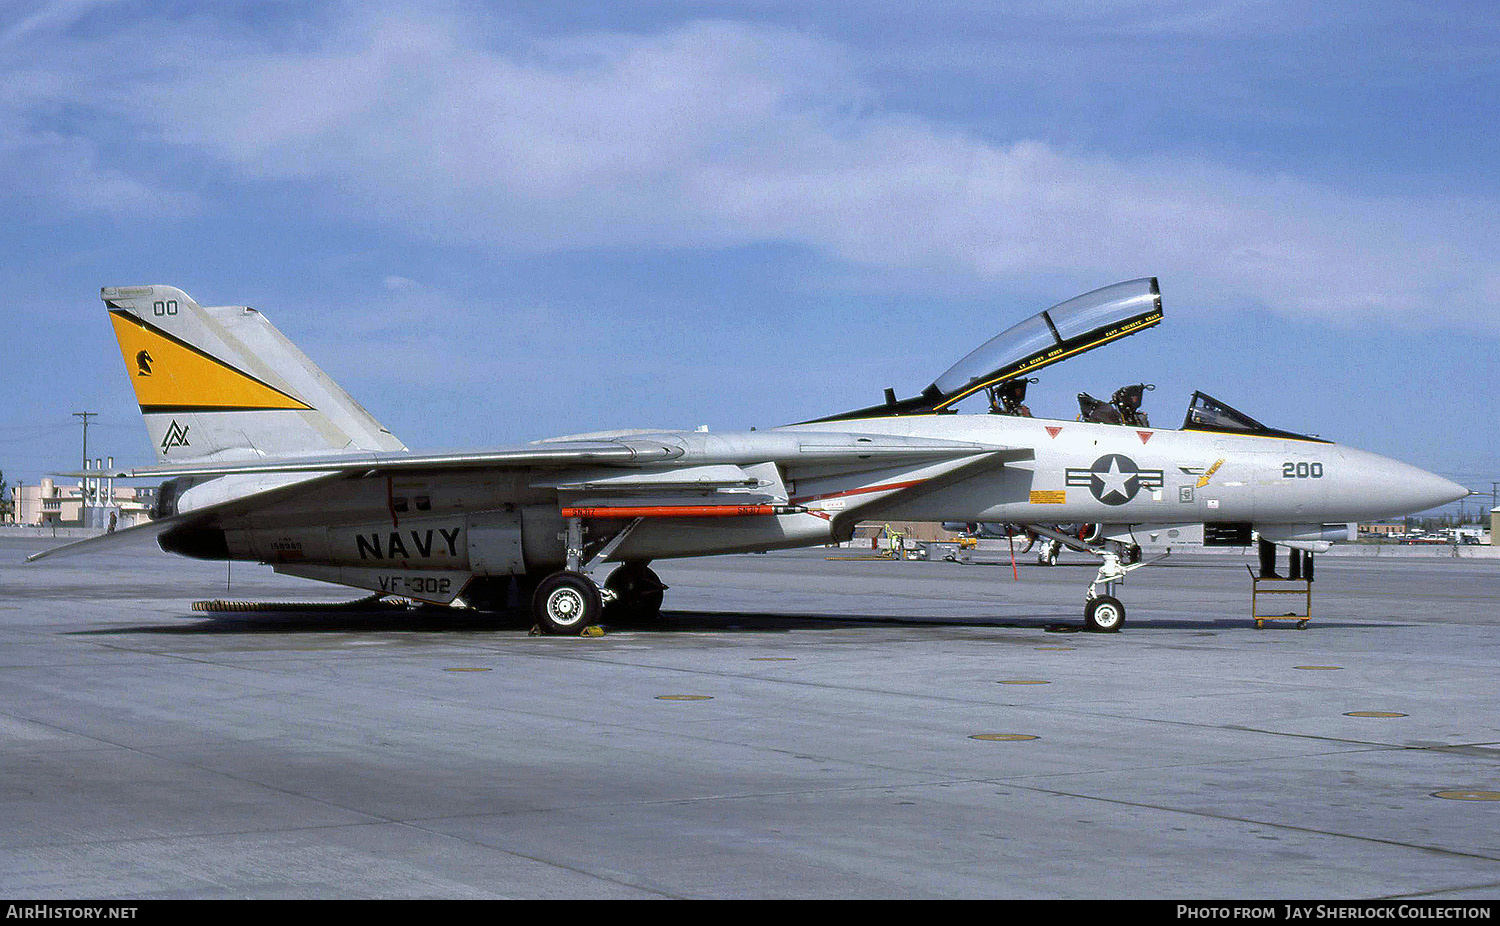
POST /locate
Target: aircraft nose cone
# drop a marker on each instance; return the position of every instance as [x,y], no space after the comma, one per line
[1433,490]
[1420,490]
[1380,487]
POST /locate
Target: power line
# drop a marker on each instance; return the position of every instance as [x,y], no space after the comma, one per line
[35,432]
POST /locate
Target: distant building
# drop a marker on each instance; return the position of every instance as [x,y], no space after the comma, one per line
[1382,529]
[51,505]
[1495,527]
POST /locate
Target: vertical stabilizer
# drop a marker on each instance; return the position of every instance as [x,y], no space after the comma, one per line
[221,382]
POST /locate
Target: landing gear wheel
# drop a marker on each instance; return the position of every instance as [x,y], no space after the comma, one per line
[1104,614]
[566,602]
[638,595]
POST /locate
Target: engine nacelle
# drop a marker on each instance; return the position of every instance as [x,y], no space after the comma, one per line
[481,542]
[500,542]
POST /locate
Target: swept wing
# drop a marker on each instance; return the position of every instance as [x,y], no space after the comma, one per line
[680,449]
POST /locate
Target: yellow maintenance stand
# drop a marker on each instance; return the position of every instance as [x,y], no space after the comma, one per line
[1281,593]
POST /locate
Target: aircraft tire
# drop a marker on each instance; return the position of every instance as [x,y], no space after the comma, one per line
[1104,615]
[640,594]
[566,603]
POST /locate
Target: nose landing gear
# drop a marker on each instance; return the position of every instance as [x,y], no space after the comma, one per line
[1103,613]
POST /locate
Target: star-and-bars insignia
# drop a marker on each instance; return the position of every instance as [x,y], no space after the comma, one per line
[1114,479]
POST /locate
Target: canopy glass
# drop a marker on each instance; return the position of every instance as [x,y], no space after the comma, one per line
[1068,328]
[1065,330]
[1206,413]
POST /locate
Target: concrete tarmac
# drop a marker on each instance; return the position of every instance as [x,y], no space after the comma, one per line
[798,726]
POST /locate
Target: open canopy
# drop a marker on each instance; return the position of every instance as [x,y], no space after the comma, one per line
[1068,328]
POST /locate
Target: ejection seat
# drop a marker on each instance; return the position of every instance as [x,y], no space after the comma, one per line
[1093,410]
[1124,407]
[1127,401]
[1009,398]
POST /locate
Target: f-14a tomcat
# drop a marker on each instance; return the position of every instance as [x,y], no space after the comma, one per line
[267,460]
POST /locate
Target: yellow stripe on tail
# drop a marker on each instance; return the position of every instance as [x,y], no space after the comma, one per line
[170,374]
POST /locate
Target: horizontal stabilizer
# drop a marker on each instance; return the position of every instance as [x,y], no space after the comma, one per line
[130,536]
[153,530]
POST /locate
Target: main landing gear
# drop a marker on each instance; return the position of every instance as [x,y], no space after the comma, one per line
[566,602]
[569,601]
[637,595]
[1102,613]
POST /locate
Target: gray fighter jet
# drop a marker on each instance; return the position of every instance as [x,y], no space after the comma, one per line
[267,460]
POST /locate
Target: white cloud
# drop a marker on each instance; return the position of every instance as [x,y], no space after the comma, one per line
[56,170]
[719,133]
[48,158]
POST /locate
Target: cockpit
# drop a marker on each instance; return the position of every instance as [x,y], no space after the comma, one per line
[1000,367]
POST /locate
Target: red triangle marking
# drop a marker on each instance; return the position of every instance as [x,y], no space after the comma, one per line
[1145,435]
[1054,431]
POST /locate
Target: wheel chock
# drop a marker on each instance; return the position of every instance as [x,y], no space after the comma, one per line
[593,630]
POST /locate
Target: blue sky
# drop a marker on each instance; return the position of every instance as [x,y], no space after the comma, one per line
[494,223]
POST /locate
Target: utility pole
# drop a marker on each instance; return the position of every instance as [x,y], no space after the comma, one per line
[83,514]
[85,416]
